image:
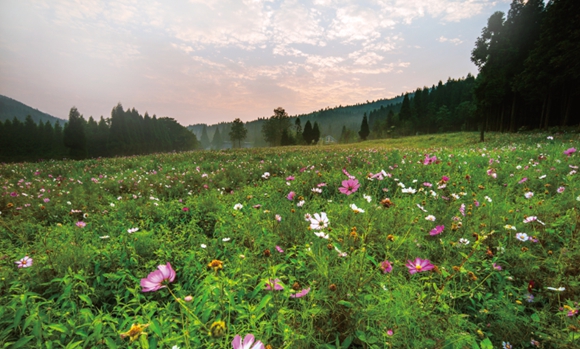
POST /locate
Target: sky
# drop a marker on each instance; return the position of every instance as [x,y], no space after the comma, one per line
[210,61]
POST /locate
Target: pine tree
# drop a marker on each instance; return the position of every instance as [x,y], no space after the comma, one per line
[364,128]
[238,132]
[315,133]
[307,134]
[74,135]
[205,142]
[217,141]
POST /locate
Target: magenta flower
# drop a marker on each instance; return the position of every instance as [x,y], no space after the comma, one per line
[496,266]
[437,230]
[300,294]
[80,224]
[290,178]
[445,178]
[419,265]
[25,262]
[185,209]
[429,160]
[291,196]
[237,343]
[349,186]
[279,249]
[569,151]
[273,284]
[386,266]
[156,279]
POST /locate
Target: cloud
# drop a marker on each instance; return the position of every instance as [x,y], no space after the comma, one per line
[455,41]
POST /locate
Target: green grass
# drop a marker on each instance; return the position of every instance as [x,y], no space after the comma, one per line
[83,288]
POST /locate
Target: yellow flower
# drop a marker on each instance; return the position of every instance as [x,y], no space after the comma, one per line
[217,329]
[216,265]
[135,331]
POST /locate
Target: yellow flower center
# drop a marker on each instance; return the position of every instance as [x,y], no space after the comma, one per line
[418,267]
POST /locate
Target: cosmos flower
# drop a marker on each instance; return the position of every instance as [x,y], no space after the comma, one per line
[25,262]
[437,230]
[529,195]
[279,249]
[319,221]
[237,343]
[300,294]
[569,151]
[430,218]
[132,230]
[80,224]
[349,186]
[356,209]
[291,195]
[386,266]
[238,206]
[496,266]
[522,236]
[273,284]
[158,278]
[560,190]
[419,265]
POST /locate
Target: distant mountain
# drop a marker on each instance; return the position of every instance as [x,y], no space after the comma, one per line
[10,108]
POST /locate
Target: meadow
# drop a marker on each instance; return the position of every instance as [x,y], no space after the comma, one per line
[420,242]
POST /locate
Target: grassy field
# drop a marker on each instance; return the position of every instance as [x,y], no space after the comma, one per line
[433,241]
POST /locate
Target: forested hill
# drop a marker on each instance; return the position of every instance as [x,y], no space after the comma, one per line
[10,108]
[331,120]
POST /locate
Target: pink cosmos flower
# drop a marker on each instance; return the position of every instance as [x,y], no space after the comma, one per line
[419,265]
[237,343]
[462,209]
[523,180]
[278,218]
[291,195]
[349,186]
[445,178]
[273,284]
[386,266]
[429,160]
[25,262]
[569,151]
[437,230]
[560,190]
[156,279]
[290,178]
[185,209]
[300,294]
[390,332]
[80,224]
[496,266]
[279,249]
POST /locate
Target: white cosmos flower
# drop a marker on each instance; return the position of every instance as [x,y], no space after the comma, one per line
[238,206]
[321,234]
[356,209]
[319,221]
[367,197]
[430,218]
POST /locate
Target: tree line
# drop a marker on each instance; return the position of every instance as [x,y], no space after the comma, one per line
[529,66]
[126,132]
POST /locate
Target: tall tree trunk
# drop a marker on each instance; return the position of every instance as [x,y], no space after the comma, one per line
[501,118]
[513,115]
[566,108]
[542,115]
[548,107]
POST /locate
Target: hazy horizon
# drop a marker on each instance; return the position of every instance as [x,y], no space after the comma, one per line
[214,61]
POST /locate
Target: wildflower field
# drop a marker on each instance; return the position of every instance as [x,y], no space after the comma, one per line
[422,242]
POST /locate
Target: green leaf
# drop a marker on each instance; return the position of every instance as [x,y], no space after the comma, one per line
[110,343]
[73,345]
[486,344]
[346,343]
[86,299]
[345,303]
[58,327]
[22,342]
[535,317]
